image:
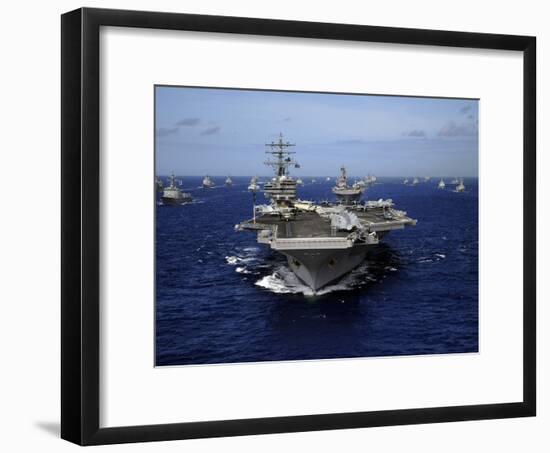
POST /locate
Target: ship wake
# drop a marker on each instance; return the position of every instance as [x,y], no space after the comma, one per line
[275,276]
[283,281]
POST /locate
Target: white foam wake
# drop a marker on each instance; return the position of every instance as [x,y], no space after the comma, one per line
[231,260]
[234,260]
[284,281]
[436,257]
[242,270]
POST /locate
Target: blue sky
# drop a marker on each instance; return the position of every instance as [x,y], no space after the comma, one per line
[219,131]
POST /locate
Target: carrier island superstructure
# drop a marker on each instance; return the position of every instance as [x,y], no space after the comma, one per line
[324,241]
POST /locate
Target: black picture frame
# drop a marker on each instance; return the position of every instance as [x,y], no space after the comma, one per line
[80,222]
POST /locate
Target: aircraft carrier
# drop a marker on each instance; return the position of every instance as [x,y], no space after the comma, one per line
[322,241]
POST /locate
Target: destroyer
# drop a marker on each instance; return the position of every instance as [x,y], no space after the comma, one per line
[346,194]
[207,183]
[321,242]
[159,186]
[370,180]
[172,195]
[253,186]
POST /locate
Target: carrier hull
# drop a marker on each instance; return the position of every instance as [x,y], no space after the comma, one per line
[175,201]
[318,268]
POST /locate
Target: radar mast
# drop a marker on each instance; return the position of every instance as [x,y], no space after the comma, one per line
[282,159]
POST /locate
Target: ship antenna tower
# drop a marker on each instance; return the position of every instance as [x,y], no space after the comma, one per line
[281,159]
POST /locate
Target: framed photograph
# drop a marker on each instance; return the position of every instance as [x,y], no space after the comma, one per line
[276,226]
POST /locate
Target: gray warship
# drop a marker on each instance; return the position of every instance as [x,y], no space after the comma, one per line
[322,242]
[207,183]
[172,195]
[345,193]
[159,186]
[370,179]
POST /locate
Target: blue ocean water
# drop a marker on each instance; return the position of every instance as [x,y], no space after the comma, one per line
[223,298]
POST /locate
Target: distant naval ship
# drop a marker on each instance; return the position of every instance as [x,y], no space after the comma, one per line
[345,193]
[441,184]
[159,186]
[460,187]
[228,181]
[253,186]
[207,183]
[370,180]
[172,195]
[321,242]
